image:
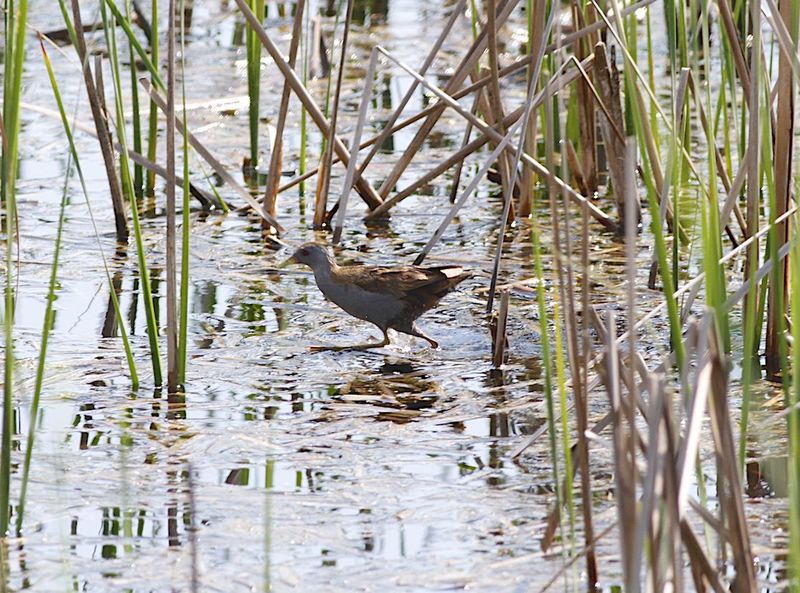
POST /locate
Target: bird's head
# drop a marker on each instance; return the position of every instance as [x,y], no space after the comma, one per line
[314,255]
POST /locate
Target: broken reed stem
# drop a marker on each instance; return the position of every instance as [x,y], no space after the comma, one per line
[500,338]
[276,155]
[323,187]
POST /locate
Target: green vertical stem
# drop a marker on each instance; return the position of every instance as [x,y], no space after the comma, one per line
[138,172]
[14,59]
[152,131]
[254,82]
[127,186]
[185,222]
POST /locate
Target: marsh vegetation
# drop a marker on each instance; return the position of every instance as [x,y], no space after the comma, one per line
[613,404]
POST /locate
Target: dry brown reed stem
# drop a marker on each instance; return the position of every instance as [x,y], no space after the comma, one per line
[574,164]
[624,458]
[527,175]
[456,11]
[586,112]
[729,484]
[210,159]
[171,212]
[101,127]
[324,184]
[732,36]
[505,71]
[347,186]
[611,123]
[513,163]
[632,218]
[365,190]
[464,142]
[495,112]
[782,155]
[454,84]
[276,155]
[499,325]
[494,136]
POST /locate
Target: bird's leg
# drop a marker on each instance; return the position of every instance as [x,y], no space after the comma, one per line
[366,346]
[415,331]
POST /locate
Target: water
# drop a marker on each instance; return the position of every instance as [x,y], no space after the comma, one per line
[280,469]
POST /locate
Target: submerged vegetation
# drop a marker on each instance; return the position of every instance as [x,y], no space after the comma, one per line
[621,180]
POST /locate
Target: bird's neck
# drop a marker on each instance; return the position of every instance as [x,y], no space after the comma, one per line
[325,271]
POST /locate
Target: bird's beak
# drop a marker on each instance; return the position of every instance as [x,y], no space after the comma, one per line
[287,262]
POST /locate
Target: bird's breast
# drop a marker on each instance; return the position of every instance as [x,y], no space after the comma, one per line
[374,307]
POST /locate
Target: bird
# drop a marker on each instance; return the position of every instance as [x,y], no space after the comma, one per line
[388,297]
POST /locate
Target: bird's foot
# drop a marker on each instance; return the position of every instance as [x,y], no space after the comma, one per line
[366,346]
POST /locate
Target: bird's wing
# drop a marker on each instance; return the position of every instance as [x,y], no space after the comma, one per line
[398,281]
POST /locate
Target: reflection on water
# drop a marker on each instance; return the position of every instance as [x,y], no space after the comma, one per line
[324,472]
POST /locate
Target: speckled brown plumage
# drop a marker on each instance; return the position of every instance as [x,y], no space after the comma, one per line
[391,298]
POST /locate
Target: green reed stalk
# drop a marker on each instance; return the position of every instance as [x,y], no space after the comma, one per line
[716,292]
[254,82]
[652,81]
[547,365]
[306,49]
[134,41]
[77,163]
[16,19]
[473,19]
[47,326]
[152,124]
[127,186]
[639,123]
[563,406]
[183,315]
[138,171]
[754,318]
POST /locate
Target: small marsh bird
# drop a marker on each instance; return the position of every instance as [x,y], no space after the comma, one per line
[391,298]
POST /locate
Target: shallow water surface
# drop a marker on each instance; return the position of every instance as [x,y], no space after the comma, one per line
[280,469]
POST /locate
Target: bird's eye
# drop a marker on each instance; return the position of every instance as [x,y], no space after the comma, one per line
[304,252]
